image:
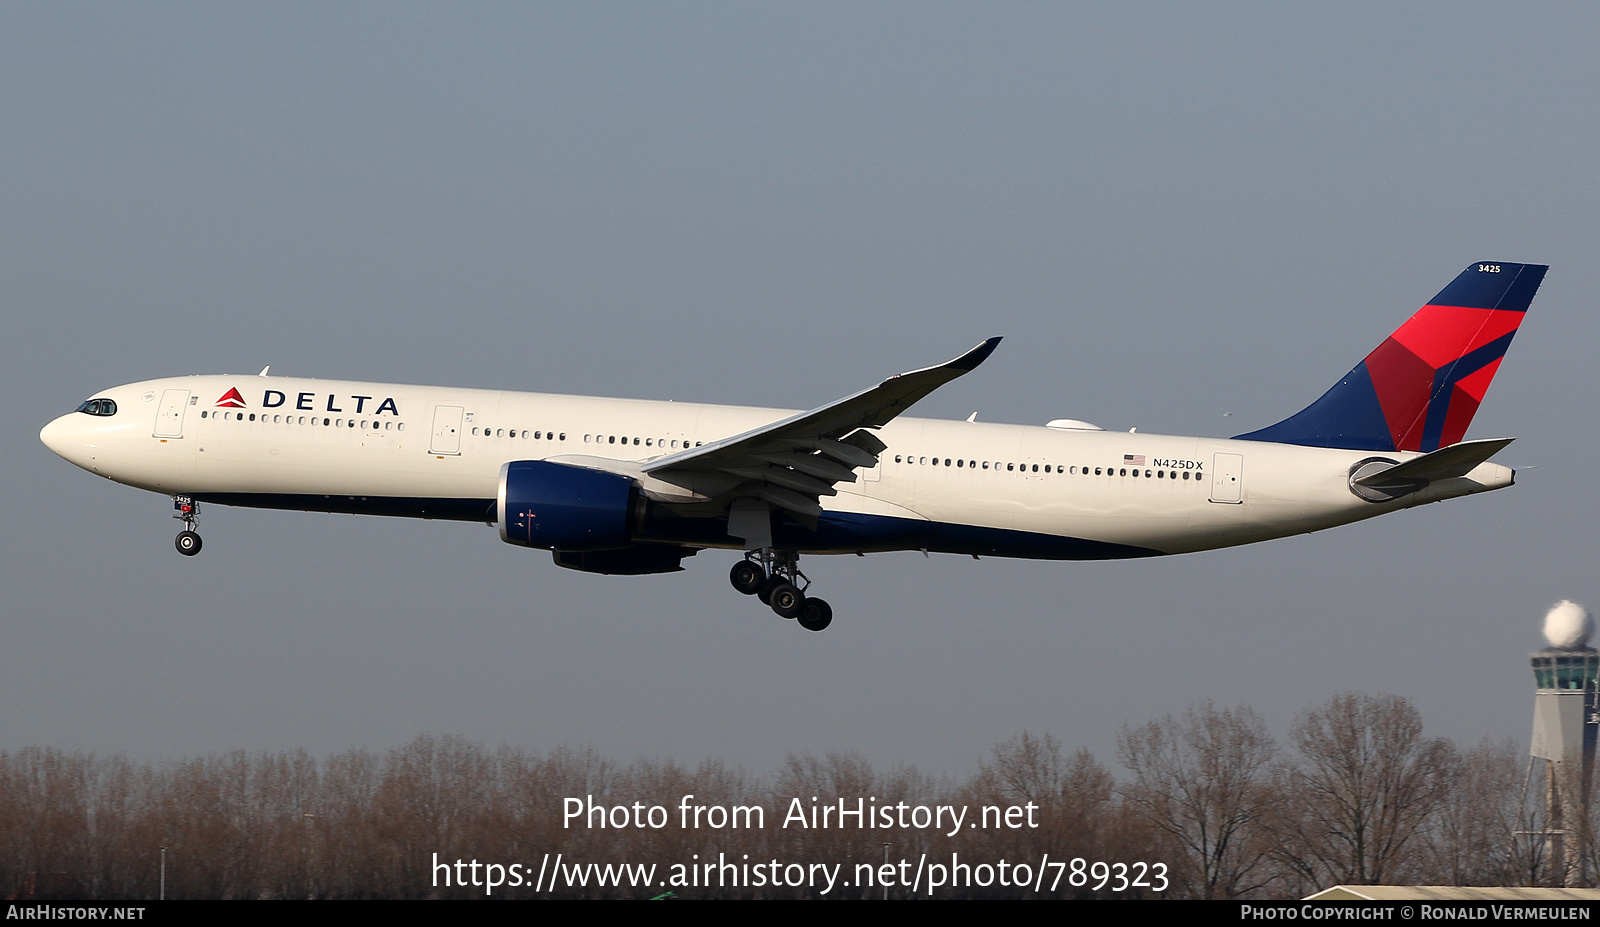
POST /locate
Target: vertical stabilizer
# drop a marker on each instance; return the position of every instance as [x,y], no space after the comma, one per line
[1419,389]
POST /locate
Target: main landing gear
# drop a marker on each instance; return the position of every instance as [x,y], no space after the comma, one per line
[774,577]
[188,540]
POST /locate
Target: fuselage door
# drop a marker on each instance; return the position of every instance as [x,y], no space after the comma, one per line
[1227,478]
[169,416]
[446,430]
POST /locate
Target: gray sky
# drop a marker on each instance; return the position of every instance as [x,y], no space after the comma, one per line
[1173,211]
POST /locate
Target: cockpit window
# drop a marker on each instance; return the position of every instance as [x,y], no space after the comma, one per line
[99,407]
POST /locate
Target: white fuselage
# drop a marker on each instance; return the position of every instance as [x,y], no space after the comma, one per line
[437,452]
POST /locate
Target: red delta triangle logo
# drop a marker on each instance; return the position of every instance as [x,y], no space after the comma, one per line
[231,399]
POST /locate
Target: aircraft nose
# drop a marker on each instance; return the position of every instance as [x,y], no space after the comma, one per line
[54,435]
[65,437]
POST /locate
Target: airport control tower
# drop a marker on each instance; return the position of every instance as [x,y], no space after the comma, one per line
[1566,718]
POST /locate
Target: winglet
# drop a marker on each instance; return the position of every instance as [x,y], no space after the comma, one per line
[970,360]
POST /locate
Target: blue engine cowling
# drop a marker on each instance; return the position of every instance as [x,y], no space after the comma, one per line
[557,507]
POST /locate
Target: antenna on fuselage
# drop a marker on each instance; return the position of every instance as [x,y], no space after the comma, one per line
[264,370]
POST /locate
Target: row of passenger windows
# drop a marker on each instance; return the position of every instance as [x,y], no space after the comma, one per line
[373,425]
[647,442]
[524,433]
[1048,468]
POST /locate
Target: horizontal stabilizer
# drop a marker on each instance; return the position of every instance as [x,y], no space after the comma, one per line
[1443,464]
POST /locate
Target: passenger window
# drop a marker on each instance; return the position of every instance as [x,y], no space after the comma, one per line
[1011,466]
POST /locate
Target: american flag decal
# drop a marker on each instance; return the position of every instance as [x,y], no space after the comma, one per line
[1136,460]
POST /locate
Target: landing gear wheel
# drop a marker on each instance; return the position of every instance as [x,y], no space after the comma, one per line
[786,600]
[188,543]
[815,615]
[747,576]
[765,592]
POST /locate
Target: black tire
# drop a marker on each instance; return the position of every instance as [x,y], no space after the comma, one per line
[187,542]
[816,615]
[747,577]
[786,600]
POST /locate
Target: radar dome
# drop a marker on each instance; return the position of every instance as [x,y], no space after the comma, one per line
[1568,626]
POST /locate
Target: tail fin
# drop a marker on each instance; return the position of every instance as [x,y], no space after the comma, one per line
[1419,389]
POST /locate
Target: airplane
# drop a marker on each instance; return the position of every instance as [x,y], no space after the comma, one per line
[630,487]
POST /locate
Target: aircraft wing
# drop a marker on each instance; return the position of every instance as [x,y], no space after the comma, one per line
[793,462]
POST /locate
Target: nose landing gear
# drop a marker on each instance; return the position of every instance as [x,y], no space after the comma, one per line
[188,540]
[774,576]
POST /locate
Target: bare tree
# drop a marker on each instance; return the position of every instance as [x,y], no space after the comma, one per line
[1474,836]
[1203,781]
[1365,785]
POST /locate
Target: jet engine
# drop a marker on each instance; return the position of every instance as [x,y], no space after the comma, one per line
[585,518]
[558,507]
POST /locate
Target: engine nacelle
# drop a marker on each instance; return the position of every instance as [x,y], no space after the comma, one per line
[557,507]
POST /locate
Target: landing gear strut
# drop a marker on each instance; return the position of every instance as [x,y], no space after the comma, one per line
[774,576]
[188,540]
